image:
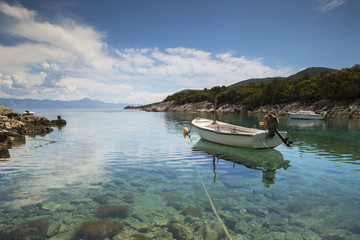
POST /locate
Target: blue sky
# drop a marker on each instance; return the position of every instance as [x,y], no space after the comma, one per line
[140,51]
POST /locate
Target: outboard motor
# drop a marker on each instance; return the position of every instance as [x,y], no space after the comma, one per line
[271,124]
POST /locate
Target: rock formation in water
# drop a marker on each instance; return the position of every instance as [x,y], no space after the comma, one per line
[14,127]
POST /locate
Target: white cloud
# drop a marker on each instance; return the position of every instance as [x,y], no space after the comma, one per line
[191,67]
[67,61]
[327,5]
[52,74]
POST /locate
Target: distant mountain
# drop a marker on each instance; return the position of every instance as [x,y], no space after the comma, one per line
[187,90]
[312,72]
[256,81]
[57,104]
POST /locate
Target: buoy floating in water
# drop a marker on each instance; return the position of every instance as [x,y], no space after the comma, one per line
[185,131]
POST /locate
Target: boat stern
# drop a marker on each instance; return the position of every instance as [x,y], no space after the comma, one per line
[264,140]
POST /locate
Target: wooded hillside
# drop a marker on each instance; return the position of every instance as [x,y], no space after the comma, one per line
[338,85]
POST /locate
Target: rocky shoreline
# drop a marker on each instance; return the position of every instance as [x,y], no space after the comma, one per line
[14,127]
[339,109]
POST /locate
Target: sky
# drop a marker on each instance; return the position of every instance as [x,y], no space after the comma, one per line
[140,51]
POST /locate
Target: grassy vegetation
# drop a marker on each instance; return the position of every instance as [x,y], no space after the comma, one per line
[342,84]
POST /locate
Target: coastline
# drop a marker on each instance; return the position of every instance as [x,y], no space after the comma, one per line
[333,109]
[15,126]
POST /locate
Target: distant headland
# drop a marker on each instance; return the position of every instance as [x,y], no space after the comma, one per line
[323,90]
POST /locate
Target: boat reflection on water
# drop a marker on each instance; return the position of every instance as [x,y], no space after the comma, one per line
[306,123]
[262,160]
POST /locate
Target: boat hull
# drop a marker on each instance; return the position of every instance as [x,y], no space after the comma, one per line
[258,140]
[307,117]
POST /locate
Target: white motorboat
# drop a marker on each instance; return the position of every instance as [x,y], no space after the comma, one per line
[28,113]
[237,136]
[306,115]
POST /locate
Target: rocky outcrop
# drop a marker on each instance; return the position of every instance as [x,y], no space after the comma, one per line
[58,122]
[14,127]
[332,109]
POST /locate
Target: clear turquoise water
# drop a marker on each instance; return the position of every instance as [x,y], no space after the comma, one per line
[141,161]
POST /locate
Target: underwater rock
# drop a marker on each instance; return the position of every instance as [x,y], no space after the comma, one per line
[272,195]
[7,195]
[66,207]
[112,211]
[228,220]
[228,182]
[294,236]
[276,209]
[297,207]
[181,232]
[191,211]
[206,206]
[51,206]
[278,236]
[334,235]
[230,208]
[162,234]
[174,201]
[64,228]
[138,236]
[139,186]
[353,227]
[32,230]
[242,227]
[177,219]
[308,234]
[53,229]
[161,222]
[141,227]
[258,211]
[130,236]
[128,198]
[98,230]
[274,222]
[197,224]
[208,233]
[175,205]
[100,199]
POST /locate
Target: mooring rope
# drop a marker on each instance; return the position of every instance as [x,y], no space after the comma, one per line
[212,205]
[317,175]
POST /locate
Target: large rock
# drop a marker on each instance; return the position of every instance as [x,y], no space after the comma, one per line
[181,232]
[32,230]
[98,230]
[14,127]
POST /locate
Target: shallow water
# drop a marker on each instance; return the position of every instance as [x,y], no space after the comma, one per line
[138,165]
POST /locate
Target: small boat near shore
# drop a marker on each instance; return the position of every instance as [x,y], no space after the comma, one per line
[28,113]
[237,136]
[306,115]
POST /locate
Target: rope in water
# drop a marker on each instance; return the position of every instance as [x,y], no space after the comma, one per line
[212,205]
[317,175]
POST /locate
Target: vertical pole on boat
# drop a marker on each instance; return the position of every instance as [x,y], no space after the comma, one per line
[215,109]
